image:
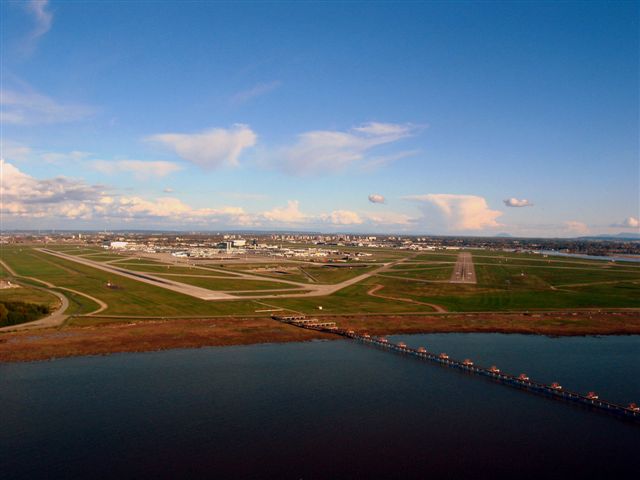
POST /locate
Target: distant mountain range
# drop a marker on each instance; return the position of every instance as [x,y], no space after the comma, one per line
[619,236]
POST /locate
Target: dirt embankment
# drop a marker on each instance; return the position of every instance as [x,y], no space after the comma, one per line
[147,335]
[543,323]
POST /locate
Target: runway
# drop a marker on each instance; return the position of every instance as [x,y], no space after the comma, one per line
[463,271]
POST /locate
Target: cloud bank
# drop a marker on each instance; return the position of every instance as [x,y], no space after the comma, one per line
[575,227]
[210,149]
[141,169]
[26,198]
[629,222]
[456,212]
[327,151]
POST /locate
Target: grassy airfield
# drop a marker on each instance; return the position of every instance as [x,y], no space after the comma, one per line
[505,282]
[111,313]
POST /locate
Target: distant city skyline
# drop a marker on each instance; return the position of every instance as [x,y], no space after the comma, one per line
[460,118]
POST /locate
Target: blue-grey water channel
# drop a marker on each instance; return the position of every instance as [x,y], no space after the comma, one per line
[333,409]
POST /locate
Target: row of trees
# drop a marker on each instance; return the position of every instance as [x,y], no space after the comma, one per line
[13,313]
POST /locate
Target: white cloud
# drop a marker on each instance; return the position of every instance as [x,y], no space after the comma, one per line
[289,214]
[42,17]
[376,198]
[326,151]
[159,207]
[389,218]
[14,150]
[457,212]
[56,157]
[23,195]
[629,222]
[43,20]
[254,92]
[515,202]
[62,199]
[573,226]
[168,190]
[212,148]
[342,217]
[377,129]
[26,197]
[141,169]
[28,107]
[378,161]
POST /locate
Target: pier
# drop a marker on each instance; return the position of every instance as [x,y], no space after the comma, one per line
[522,381]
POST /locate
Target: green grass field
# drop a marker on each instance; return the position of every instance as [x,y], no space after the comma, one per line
[75,249]
[329,274]
[130,298]
[28,295]
[506,282]
[78,304]
[439,273]
[138,261]
[166,268]
[353,299]
[435,257]
[104,257]
[522,293]
[227,284]
[291,275]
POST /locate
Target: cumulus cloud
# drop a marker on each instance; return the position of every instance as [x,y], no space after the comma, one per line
[515,202]
[325,151]
[141,169]
[28,107]
[389,218]
[159,207]
[63,199]
[342,217]
[629,222]
[292,214]
[212,148]
[457,212]
[168,190]
[289,214]
[23,195]
[376,198]
[575,227]
[27,197]
[255,91]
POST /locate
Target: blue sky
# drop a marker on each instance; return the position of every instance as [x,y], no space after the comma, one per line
[450,117]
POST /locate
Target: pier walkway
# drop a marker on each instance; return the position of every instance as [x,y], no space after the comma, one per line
[522,381]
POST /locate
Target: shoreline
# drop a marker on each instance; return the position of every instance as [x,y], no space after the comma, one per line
[157,335]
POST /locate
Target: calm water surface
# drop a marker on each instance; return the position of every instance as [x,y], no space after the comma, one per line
[321,410]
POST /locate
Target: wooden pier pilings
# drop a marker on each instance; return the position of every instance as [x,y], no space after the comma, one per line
[631,412]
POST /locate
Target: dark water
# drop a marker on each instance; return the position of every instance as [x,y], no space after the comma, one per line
[320,410]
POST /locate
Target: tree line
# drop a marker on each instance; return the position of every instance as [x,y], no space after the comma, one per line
[13,313]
